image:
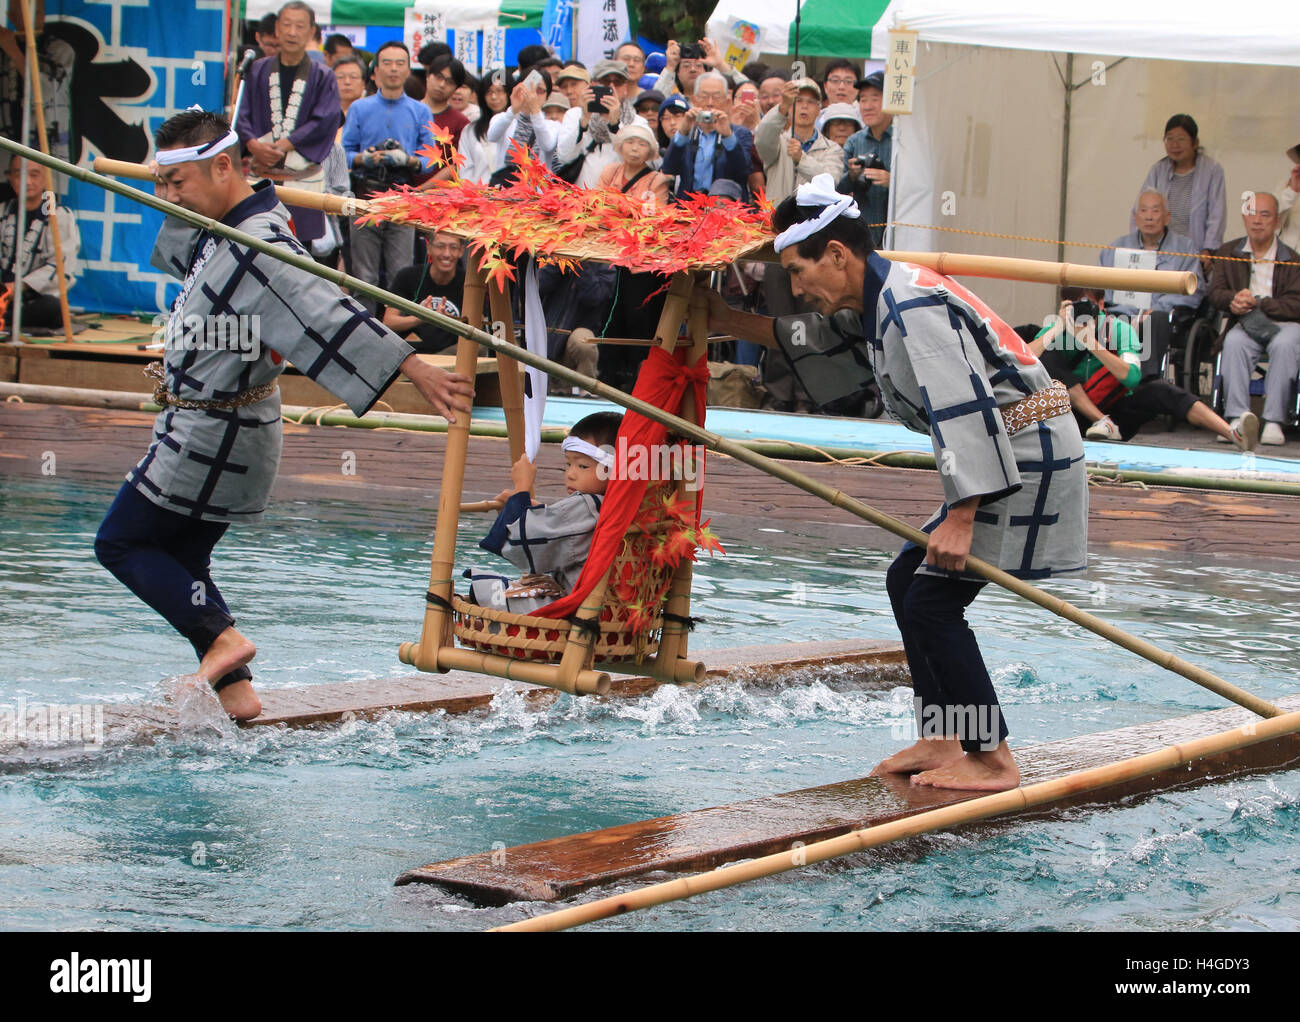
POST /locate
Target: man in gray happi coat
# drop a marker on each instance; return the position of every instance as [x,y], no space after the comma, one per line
[239,316]
[1009,456]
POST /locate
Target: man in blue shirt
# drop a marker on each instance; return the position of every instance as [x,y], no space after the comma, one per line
[380,138]
[868,155]
[707,146]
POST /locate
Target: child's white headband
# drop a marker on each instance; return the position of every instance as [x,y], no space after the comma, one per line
[579,446]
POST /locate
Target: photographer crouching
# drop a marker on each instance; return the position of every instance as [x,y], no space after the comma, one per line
[1114,389]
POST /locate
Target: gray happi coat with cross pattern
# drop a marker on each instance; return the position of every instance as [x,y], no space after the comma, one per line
[945,364]
[239,316]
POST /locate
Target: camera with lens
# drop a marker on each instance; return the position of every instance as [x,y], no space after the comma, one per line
[691,51]
[392,168]
[1086,309]
[704,117]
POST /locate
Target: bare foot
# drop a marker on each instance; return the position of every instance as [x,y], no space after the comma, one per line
[926,754]
[975,771]
[230,651]
[240,701]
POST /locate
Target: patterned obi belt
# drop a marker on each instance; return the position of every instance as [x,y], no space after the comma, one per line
[1037,407]
[163,396]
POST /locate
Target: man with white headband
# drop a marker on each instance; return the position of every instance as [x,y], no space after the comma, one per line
[239,315]
[1009,456]
[550,542]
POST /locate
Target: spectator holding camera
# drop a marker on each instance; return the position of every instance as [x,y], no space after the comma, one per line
[380,138]
[683,65]
[523,122]
[792,149]
[585,143]
[1099,358]
[706,147]
[868,155]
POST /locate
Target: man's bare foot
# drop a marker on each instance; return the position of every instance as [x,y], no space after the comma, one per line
[975,771]
[927,754]
[229,652]
[240,701]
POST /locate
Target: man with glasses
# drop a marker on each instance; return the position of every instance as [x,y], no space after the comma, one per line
[840,84]
[706,146]
[683,65]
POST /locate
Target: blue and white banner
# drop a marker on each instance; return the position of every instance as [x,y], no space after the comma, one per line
[557,27]
[126,68]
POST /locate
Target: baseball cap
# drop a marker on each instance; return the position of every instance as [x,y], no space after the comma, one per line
[875,80]
[807,84]
[608,67]
[649,96]
[573,71]
[676,102]
[558,99]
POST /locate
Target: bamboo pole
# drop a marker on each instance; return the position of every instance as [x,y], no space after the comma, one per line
[436,633]
[956,264]
[948,263]
[339,205]
[714,442]
[981,808]
[38,107]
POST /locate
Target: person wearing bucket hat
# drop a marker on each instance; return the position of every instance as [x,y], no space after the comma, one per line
[634,176]
[555,106]
[868,155]
[585,144]
[839,122]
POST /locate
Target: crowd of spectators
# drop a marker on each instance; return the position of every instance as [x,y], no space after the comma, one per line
[658,128]
[662,127]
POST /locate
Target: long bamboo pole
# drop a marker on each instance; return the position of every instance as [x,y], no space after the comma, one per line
[975,809]
[38,107]
[836,498]
[948,263]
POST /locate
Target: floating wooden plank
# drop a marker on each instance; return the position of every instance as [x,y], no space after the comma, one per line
[398,469]
[702,840]
[879,664]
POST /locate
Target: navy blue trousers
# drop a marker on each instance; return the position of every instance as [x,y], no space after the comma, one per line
[163,557]
[955,697]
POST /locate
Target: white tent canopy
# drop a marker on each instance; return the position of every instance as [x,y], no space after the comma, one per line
[1246,32]
[984,147]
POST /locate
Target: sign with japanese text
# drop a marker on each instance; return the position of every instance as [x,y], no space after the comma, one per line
[900,72]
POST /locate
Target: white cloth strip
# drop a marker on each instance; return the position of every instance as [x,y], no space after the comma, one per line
[191,154]
[534,341]
[580,446]
[820,191]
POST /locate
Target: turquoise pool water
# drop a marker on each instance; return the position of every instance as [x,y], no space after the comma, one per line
[215,828]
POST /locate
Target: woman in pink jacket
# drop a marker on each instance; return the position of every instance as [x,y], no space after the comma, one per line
[633,176]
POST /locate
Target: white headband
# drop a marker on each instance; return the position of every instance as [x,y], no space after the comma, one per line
[820,191]
[579,446]
[171,157]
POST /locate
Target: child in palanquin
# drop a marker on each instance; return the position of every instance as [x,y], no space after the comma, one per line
[549,541]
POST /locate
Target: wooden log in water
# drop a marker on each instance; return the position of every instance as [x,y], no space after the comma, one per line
[564,866]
